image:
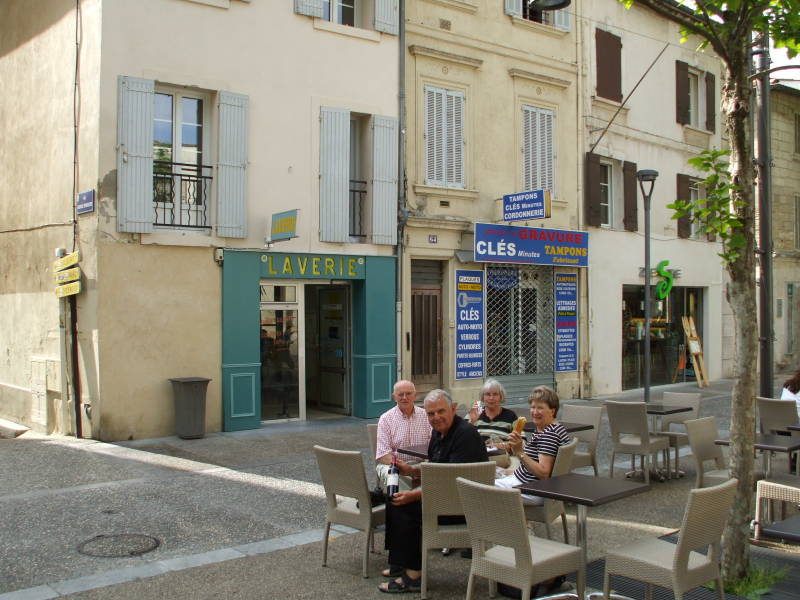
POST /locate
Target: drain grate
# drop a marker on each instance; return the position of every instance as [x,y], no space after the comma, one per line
[119,545]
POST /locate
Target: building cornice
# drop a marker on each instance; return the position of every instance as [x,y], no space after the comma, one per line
[539,78]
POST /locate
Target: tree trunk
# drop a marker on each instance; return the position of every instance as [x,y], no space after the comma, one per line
[742,298]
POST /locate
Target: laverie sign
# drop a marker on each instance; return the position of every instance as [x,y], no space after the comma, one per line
[531,245]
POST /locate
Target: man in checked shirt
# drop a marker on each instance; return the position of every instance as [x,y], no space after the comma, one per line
[401,426]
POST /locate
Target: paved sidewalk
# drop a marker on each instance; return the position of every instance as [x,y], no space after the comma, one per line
[236,514]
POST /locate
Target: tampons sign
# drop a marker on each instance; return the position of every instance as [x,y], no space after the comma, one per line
[469,324]
[566,343]
[526,205]
[531,245]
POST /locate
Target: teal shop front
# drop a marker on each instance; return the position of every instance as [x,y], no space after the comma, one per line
[306,335]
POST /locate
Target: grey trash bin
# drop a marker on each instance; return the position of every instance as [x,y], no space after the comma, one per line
[190,406]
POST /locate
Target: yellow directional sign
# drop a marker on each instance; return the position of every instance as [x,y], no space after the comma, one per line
[68,275]
[67,261]
[69,289]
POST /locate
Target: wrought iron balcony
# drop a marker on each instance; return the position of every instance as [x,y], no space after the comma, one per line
[358,194]
[181,193]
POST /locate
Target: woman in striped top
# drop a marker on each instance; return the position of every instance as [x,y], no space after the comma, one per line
[538,456]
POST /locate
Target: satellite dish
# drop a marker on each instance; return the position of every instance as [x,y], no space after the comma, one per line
[548,4]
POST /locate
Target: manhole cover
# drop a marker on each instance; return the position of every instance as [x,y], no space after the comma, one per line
[118,545]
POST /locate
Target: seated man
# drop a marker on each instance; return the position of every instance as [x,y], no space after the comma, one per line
[453,440]
[401,426]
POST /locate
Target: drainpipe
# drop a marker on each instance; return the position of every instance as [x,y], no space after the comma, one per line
[402,211]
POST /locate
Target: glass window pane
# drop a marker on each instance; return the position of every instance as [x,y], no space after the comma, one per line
[192,110]
[163,107]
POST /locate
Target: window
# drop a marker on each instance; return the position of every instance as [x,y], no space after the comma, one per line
[560,19]
[610,193]
[695,103]
[606,195]
[444,137]
[689,189]
[340,11]
[164,159]
[538,149]
[694,196]
[181,180]
[357,177]
[608,54]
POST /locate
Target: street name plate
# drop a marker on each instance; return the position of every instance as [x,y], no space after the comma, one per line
[70,289]
[68,275]
[67,261]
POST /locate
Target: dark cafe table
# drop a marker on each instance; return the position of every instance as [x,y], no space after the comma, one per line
[570,427]
[421,451]
[584,491]
[770,443]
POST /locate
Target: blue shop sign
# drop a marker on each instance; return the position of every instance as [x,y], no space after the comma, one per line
[469,324]
[566,300]
[531,245]
[85,203]
[525,206]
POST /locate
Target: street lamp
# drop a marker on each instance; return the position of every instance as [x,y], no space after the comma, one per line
[645,177]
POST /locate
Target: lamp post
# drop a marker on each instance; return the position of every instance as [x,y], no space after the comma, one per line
[647,176]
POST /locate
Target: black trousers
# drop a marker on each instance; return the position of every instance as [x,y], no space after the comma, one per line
[404,534]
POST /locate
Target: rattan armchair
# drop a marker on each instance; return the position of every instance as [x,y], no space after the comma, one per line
[552,509]
[348,497]
[589,415]
[702,433]
[440,499]
[503,550]
[784,489]
[630,434]
[680,567]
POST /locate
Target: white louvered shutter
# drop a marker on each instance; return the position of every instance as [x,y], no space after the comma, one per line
[547,150]
[334,175]
[387,16]
[454,148]
[232,165]
[538,149]
[312,8]
[434,136]
[562,19]
[135,155]
[384,180]
[513,7]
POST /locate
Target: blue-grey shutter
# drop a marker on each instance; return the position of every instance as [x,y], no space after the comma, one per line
[384,180]
[387,16]
[561,19]
[334,174]
[513,7]
[135,155]
[232,165]
[312,8]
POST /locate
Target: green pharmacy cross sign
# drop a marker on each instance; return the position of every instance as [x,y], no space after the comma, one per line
[664,286]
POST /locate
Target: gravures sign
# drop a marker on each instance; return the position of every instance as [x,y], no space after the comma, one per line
[531,245]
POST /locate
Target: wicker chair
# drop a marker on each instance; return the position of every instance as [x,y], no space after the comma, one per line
[503,550]
[630,434]
[774,415]
[680,566]
[440,499]
[343,475]
[702,433]
[552,509]
[589,415]
[784,488]
[679,438]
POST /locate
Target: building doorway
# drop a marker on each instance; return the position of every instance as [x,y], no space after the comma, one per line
[426,325]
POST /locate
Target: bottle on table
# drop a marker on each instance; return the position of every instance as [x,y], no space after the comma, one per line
[392,478]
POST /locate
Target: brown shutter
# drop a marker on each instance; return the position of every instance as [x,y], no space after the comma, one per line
[684,224]
[711,103]
[608,51]
[681,92]
[631,217]
[592,191]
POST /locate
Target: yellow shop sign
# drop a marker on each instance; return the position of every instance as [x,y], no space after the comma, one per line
[311,266]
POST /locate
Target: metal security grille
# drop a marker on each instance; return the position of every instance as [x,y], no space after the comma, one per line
[519,321]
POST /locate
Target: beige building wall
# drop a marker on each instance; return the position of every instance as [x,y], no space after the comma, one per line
[499,63]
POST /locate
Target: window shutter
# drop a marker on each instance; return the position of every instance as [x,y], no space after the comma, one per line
[513,7]
[384,180]
[711,103]
[135,155]
[684,223]
[454,146]
[232,165]
[592,191]
[631,217]
[538,149]
[681,92]
[387,16]
[608,54]
[434,136]
[561,19]
[334,174]
[547,151]
[312,8]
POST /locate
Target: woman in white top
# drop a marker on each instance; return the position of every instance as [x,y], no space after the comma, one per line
[791,389]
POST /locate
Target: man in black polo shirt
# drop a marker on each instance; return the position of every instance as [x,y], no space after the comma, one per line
[453,441]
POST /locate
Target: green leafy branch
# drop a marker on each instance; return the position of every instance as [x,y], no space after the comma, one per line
[718,213]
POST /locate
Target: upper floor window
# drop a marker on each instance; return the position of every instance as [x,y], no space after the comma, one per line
[383,15]
[538,149]
[340,11]
[606,195]
[444,137]
[695,99]
[560,19]
[690,189]
[164,159]
[694,195]
[610,193]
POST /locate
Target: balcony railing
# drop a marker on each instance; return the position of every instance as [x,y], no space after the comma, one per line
[358,194]
[181,194]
